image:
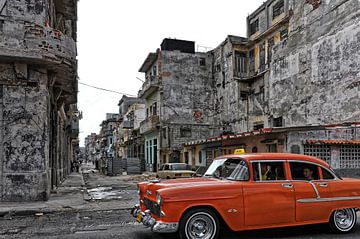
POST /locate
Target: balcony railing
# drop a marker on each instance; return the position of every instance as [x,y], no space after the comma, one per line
[150,124]
[151,84]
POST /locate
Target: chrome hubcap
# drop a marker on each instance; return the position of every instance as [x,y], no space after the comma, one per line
[344,219]
[200,226]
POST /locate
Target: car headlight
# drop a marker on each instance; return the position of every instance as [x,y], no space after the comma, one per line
[159,199]
[138,190]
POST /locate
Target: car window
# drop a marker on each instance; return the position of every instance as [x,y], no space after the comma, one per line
[268,171]
[229,168]
[166,167]
[304,171]
[327,175]
[178,167]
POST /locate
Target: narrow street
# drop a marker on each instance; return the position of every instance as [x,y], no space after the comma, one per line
[119,224]
[104,213]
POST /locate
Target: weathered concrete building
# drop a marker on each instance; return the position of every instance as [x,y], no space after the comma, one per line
[299,77]
[38,96]
[129,141]
[107,140]
[178,99]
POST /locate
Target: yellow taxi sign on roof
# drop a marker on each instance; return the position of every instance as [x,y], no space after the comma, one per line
[239,151]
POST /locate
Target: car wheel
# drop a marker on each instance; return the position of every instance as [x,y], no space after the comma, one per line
[343,221]
[167,177]
[201,223]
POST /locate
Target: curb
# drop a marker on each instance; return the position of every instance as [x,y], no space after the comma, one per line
[33,212]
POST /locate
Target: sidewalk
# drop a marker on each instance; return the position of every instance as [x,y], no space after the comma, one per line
[75,194]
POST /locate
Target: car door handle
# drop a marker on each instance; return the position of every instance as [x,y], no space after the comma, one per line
[287,185]
[324,185]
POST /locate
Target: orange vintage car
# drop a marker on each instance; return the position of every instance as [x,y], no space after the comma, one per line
[250,191]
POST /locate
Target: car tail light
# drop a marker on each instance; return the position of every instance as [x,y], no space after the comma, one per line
[177,174]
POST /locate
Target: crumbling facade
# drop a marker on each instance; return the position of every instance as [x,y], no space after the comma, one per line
[129,141]
[299,77]
[107,141]
[178,99]
[38,96]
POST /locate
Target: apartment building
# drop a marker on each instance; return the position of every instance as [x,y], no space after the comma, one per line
[298,87]
[178,100]
[38,96]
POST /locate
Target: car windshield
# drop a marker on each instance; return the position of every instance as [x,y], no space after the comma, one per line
[231,169]
[177,167]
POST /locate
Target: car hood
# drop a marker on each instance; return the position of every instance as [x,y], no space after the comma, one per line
[150,189]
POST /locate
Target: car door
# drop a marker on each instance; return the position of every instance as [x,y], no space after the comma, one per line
[309,188]
[269,197]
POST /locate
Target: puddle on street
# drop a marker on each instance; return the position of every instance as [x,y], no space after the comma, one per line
[106,193]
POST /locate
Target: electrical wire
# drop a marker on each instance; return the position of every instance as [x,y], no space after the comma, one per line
[112,91]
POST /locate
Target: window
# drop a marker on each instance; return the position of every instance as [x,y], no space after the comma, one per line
[200,157]
[154,109]
[268,171]
[304,171]
[231,169]
[272,148]
[258,126]
[278,9]
[271,43]
[278,122]
[218,68]
[154,70]
[252,61]
[320,151]
[254,27]
[186,156]
[240,63]
[185,132]
[327,175]
[262,57]
[284,34]
[202,61]
[350,156]
[164,132]
[243,95]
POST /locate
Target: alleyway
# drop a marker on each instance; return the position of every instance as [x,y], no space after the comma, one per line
[98,207]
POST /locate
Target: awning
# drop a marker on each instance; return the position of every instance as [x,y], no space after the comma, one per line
[334,142]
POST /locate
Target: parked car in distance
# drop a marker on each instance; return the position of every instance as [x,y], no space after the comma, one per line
[250,191]
[175,170]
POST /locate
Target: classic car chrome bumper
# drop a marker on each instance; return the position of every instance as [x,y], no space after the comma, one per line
[156,226]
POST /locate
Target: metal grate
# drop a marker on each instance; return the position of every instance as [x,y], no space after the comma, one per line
[320,151]
[350,156]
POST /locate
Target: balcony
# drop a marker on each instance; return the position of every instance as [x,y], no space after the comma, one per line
[151,85]
[150,124]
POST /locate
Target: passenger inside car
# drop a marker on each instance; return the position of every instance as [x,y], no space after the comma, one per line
[270,171]
[308,174]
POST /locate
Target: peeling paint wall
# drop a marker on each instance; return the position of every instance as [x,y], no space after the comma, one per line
[24,130]
[185,99]
[315,74]
[38,94]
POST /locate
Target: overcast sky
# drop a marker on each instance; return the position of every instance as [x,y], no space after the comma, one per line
[115,36]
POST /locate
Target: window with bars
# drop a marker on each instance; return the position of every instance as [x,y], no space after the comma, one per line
[240,63]
[321,151]
[350,156]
